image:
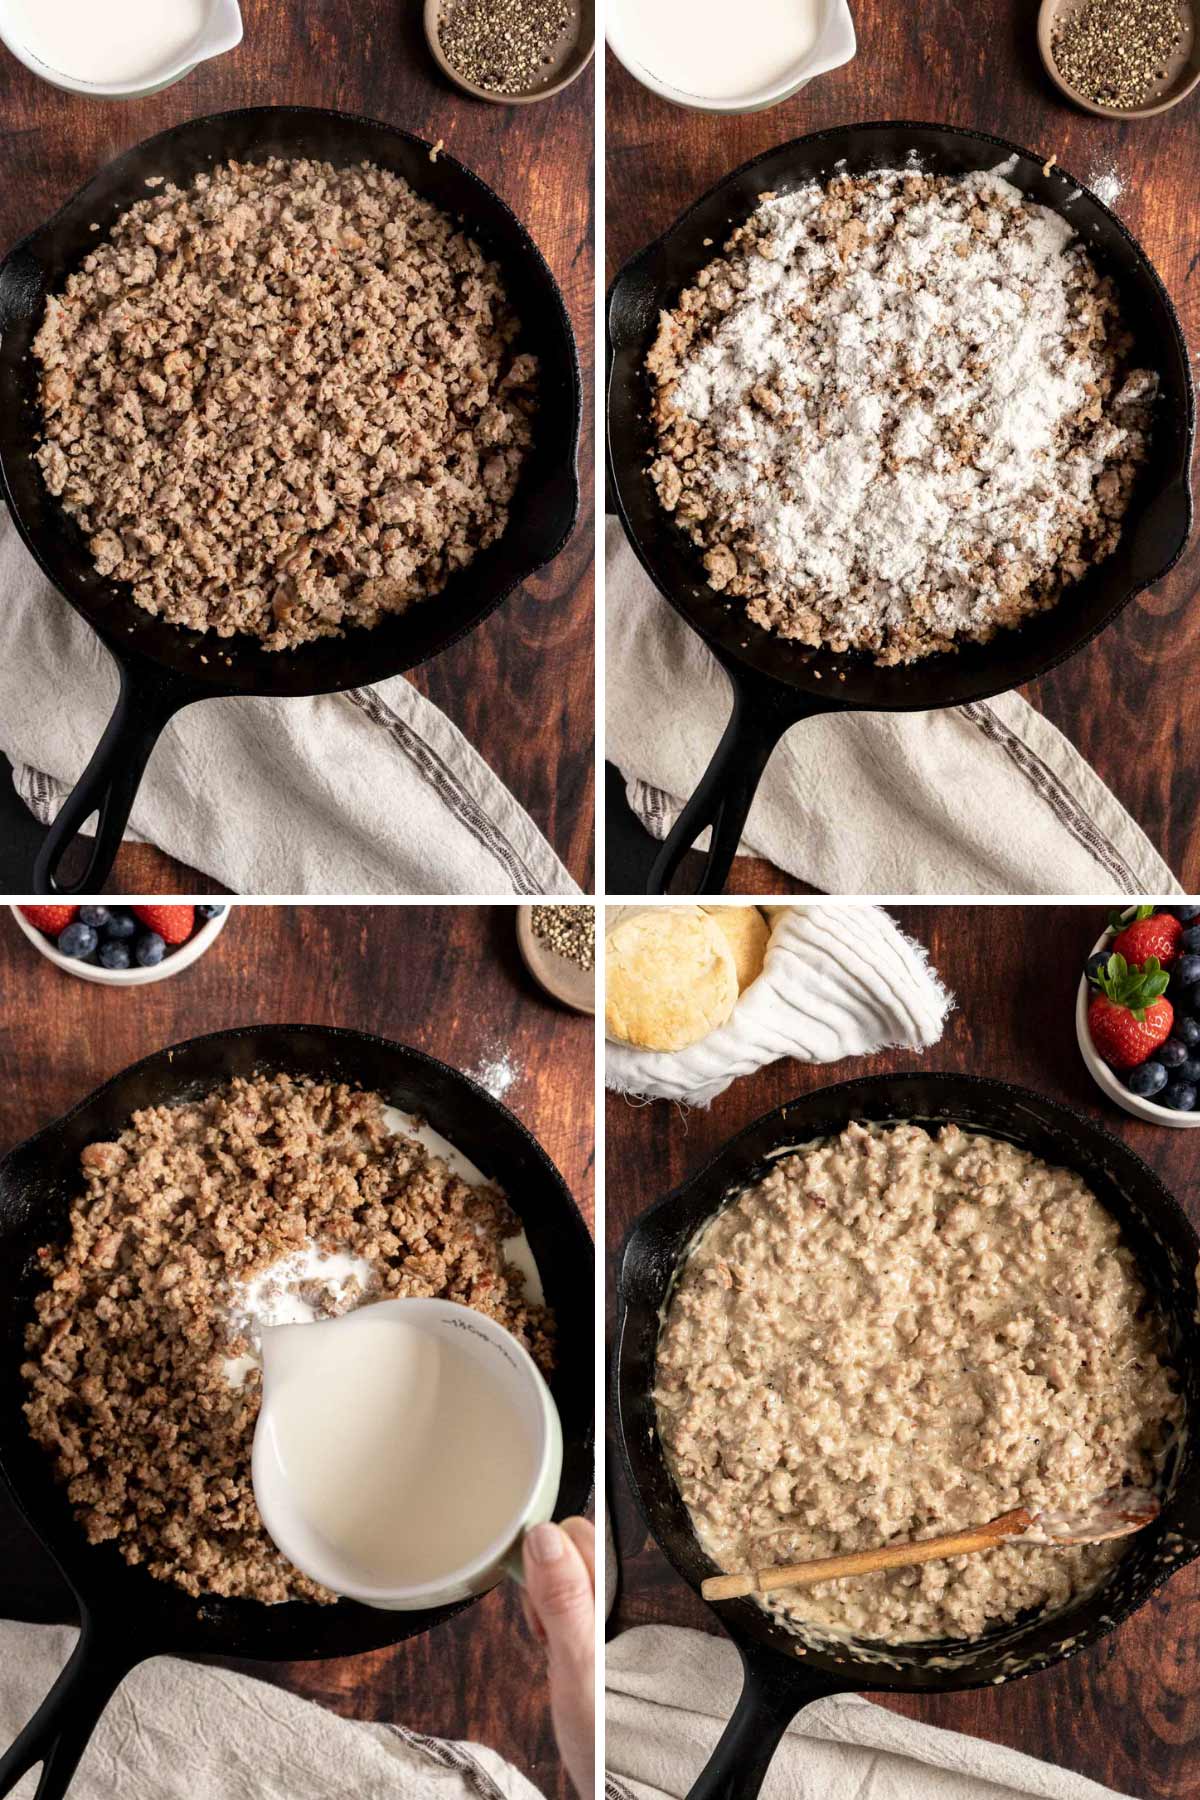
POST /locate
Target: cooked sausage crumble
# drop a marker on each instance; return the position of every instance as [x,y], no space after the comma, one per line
[138,1328]
[893,1336]
[285,400]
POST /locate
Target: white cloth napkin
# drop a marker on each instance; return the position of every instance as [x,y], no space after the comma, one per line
[178,1731]
[670,1694]
[838,980]
[982,799]
[368,792]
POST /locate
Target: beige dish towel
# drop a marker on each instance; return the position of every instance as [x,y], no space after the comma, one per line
[670,1694]
[982,799]
[369,792]
[178,1731]
[839,980]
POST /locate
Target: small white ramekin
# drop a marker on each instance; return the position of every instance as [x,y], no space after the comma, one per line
[1107,1079]
[835,44]
[221,31]
[172,964]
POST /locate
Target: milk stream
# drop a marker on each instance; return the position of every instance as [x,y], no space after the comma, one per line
[107,40]
[717,49]
[402,1455]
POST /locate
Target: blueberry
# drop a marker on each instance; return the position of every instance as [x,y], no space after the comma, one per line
[96,916]
[1187,971]
[114,955]
[1180,1096]
[149,949]
[214,912]
[1172,1053]
[1191,999]
[1188,1030]
[77,940]
[1187,915]
[1190,939]
[121,923]
[1148,1078]
[1095,963]
[1189,1070]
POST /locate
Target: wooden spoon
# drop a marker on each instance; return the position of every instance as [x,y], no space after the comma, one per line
[1119,1513]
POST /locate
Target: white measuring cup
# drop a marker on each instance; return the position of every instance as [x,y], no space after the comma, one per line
[403,1450]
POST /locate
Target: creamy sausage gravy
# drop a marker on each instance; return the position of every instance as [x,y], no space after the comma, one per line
[894,1335]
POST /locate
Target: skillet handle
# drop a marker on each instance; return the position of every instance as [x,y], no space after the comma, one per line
[769,1701]
[109,784]
[726,792]
[58,1733]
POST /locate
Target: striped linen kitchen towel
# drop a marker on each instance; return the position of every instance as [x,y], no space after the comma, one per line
[982,799]
[368,792]
[178,1731]
[671,1693]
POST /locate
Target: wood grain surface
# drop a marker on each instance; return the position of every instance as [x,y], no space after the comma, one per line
[1125,701]
[446,979]
[1126,1713]
[521,686]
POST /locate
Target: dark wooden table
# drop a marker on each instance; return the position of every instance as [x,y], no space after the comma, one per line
[446,979]
[977,66]
[1128,1712]
[521,686]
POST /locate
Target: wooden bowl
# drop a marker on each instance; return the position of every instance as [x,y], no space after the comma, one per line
[570,57]
[1183,69]
[564,980]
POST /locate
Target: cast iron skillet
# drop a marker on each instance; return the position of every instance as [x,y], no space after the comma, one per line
[776,683]
[777,1684]
[125,1615]
[160,665]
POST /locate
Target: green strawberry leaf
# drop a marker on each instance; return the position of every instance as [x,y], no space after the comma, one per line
[1128,915]
[1134,988]
[1094,979]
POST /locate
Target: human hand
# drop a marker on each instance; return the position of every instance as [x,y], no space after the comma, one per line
[559,1599]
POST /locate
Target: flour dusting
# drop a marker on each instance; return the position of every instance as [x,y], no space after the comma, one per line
[496,1073]
[1107,185]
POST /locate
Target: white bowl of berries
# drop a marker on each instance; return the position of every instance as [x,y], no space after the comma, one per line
[1137,1016]
[121,945]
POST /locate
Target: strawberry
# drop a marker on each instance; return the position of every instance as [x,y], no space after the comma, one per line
[50,919]
[1148,934]
[174,924]
[1128,1018]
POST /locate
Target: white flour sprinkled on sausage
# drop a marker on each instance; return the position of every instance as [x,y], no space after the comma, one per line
[898,412]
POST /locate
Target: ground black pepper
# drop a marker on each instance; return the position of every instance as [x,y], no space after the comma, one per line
[568,930]
[1115,52]
[506,46]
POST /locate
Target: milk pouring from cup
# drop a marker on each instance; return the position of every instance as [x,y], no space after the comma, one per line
[402,1451]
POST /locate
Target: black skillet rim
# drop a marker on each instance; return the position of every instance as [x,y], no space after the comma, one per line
[680,603]
[730,1613]
[287,1621]
[200,677]
[339,1034]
